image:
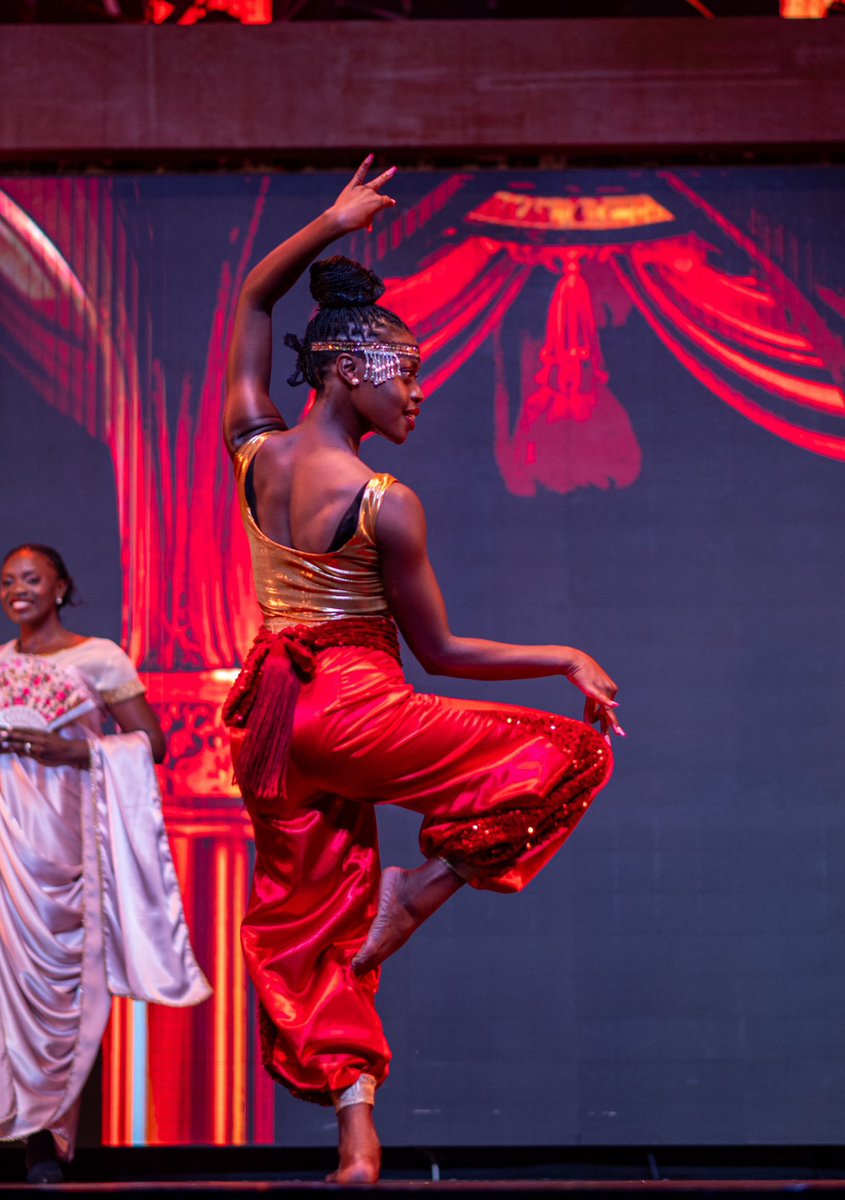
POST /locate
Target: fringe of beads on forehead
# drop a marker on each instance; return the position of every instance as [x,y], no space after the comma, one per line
[381,359]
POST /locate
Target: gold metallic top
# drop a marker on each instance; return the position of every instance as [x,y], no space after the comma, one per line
[295,587]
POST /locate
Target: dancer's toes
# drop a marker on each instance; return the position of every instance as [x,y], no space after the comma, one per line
[393,924]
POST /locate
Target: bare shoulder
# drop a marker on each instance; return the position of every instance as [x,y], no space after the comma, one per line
[280,445]
[236,440]
[275,457]
[401,518]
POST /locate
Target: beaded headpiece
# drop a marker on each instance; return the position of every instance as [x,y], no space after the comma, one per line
[381,359]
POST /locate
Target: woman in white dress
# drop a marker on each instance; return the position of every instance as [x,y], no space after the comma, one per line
[89,902]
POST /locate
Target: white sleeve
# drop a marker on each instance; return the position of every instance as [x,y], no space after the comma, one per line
[113,674]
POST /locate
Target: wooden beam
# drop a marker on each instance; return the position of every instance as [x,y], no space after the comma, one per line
[304,90]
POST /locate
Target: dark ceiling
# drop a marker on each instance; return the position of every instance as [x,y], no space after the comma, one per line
[446,9]
[327,10]
[344,10]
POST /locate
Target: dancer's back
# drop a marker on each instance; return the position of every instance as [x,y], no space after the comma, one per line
[303,487]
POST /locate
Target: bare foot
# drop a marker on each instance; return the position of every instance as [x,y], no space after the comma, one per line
[359,1148]
[393,924]
[405,900]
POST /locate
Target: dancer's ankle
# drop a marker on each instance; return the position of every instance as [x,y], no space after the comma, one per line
[428,886]
[362,1091]
[359,1148]
[406,900]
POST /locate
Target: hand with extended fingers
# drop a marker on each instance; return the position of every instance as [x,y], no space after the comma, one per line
[361,200]
[600,690]
[49,749]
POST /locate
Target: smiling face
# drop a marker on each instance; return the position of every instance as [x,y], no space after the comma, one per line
[390,408]
[30,588]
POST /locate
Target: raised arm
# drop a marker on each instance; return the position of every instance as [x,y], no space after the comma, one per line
[249,408]
[417,604]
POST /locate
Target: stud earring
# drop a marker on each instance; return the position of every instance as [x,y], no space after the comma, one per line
[355,381]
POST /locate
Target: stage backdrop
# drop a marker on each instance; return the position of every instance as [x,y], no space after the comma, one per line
[633,441]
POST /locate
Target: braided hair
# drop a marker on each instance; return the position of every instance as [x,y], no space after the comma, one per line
[346,293]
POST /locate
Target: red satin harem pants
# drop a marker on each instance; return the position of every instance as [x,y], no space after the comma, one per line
[499,787]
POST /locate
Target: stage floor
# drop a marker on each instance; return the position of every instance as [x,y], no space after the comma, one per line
[465,1189]
[216,1172]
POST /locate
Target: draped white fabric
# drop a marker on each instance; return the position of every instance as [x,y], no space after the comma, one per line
[89,908]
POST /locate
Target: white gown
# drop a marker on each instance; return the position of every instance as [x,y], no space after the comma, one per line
[89,901]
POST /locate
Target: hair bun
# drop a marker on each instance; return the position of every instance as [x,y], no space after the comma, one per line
[340,282]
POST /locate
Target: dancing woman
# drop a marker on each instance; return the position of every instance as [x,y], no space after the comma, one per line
[324,725]
[89,902]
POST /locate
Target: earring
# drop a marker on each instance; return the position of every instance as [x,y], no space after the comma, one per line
[355,381]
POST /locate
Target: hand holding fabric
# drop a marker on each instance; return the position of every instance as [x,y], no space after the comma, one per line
[47,748]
